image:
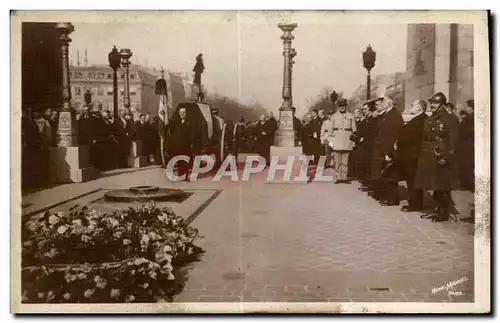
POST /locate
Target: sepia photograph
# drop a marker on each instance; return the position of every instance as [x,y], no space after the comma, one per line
[250,161]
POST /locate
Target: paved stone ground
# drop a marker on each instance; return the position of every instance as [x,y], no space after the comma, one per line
[310,243]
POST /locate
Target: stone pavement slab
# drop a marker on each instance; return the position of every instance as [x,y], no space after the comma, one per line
[308,242]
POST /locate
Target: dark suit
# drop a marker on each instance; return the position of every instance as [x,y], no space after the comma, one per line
[125,134]
[389,127]
[181,141]
[408,152]
[266,132]
[297,128]
[316,148]
[465,152]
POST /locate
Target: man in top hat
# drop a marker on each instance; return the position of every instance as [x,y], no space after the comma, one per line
[343,124]
[382,170]
[437,166]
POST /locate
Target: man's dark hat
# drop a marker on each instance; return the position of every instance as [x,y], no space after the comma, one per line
[470,103]
[342,103]
[439,97]
[314,110]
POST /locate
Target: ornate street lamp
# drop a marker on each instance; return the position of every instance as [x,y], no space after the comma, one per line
[125,54]
[114,62]
[66,132]
[368,62]
[285,135]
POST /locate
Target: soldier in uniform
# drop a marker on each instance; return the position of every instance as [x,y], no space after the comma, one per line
[437,165]
[343,126]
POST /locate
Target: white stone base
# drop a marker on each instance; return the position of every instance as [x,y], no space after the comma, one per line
[281,154]
[139,161]
[70,165]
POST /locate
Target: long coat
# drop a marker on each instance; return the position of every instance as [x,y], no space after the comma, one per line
[440,138]
[389,126]
[181,139]
[343,125]
[409,146]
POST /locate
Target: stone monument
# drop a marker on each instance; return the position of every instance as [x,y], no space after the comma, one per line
[69,163]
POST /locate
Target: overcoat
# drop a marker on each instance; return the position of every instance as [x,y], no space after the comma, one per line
[389,126]
[437,164]
[409,146]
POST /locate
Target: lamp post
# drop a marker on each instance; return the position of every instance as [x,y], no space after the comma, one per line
[333,97]
[125,55]
[114,62]
[368,62]
[66,132]
[285,134]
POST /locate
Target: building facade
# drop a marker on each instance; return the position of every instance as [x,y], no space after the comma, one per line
[440,58]
[98,79]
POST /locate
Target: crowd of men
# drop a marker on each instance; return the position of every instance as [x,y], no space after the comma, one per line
[108,139]
[429,146]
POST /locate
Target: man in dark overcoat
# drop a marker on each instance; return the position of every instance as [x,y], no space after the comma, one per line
[297,128]
[390,124]
[367,138]
[466,148]
[437,166]
[314,136]
[125,134]
[408,151]
[181,140]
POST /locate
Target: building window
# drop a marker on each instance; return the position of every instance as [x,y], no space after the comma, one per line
[122,93]
[122,76]
[110,75]
[132,76]
[70,74]
[100,91]
[78,75]
[101,75]
[133,93]
[77,90]
[110,93]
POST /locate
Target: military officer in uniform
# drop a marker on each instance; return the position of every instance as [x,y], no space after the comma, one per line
[343,125]
[437,165]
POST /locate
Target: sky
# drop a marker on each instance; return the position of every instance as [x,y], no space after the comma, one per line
[243,52]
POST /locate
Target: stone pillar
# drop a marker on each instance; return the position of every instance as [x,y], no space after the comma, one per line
[69,163]
[442,59]
[284,147]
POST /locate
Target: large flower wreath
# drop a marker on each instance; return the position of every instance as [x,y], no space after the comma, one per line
[86,256]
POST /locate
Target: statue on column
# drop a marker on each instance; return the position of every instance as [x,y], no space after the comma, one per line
[198,70]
